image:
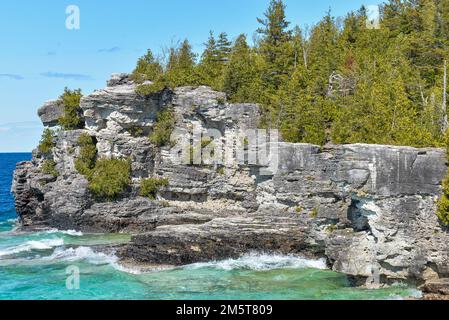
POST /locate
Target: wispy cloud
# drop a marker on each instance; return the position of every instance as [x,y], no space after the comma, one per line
[110,50]
[7,127]
[51,53]
[70,76]
[11,76]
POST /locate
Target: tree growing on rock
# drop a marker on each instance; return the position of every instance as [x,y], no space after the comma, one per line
[148,68]
[73,115]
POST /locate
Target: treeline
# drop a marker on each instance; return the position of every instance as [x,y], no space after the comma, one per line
[338,81]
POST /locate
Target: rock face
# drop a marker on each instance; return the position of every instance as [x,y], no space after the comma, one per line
[436,289]
[50,113]
[370,210]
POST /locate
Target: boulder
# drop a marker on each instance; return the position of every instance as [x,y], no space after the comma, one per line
[50,113]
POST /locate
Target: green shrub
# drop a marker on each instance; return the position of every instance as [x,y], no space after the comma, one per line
[136,131]
[85,161]
[331,228]
[221,100]
[245,143]
[205,142]
[149,187]
[221,170]
[443,209]
[443,202]
[165,124]
[49,167]
[299,209]
[109,178]
[72,119]
[47,143]
[148,68]
[314,213]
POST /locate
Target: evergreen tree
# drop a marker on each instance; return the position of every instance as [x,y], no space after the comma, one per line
[275,45]
[147,68]
[240,76]
[72,118]
[337,83]
[325,56]
[224,47]
[213,61]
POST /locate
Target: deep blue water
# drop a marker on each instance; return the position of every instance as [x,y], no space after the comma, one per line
[7,164]
[37,265]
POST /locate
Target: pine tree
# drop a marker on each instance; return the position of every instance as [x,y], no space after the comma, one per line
[181,69]
[240,76]
[275,45]
[147,68]
[224,47]
[72,118]
[214,59]
[325,56]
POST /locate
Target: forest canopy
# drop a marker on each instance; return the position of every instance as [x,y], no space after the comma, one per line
[338,81]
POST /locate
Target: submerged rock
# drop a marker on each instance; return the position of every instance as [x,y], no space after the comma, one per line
[368,209]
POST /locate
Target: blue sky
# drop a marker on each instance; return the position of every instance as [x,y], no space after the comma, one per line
[39,56]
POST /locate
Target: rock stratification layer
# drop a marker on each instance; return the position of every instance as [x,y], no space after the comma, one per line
[368,209]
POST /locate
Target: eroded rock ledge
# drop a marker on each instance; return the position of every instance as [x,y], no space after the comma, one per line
[370,210]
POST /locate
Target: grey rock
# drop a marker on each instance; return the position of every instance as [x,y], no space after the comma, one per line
[118,79]
[50,113]
[118,108]
[439,286]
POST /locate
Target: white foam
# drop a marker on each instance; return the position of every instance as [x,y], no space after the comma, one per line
[135,271]
[263,262]
[412,293]
[45,244]
[83,253]
[73,233]
[90,256]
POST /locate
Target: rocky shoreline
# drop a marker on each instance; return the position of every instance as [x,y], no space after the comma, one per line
[368,209]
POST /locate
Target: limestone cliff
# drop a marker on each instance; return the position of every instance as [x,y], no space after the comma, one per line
[368,209]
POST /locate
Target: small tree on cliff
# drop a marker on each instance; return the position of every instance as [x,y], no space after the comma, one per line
[210,67]
[148,68]
[47,143]
[72,118]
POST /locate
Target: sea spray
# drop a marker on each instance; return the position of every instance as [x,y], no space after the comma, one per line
[72,233]
[83,254]
[31,245]
[262,262]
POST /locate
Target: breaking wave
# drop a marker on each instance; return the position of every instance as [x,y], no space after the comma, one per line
[45,244]
[83,254]
[263,262]
[72,233]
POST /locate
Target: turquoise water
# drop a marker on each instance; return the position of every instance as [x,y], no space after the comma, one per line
[38,265]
